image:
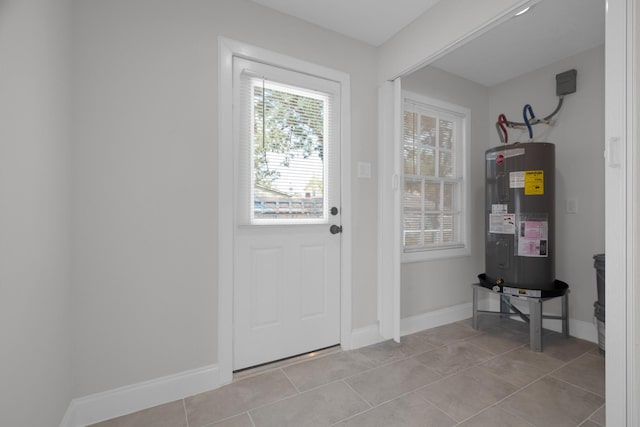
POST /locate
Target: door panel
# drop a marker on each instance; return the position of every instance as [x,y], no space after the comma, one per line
[288,301]
[266,271]
[286,262]
[312,281]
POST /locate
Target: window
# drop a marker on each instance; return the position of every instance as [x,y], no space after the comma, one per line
[288,155]
[434,199]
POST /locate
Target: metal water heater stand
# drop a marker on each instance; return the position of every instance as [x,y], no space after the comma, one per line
[534,297]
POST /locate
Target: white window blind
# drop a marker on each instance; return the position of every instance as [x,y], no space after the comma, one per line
[433,178]
[286,150]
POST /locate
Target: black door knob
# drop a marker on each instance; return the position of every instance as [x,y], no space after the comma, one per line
[335,229]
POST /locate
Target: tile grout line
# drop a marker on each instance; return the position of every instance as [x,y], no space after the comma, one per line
[424,398]
[594,412]
[253,423]
[184,407]
[445,377]
[400,396]
[256,407]
[579,387]
[290,380]
[248,411]
[495,405]
[213,423]
[512,413]
[358,394]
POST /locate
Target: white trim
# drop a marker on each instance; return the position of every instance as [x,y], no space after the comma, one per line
[225,215]
[397,208]
[227,49]
[346,261]
[365,336]
[369,335]
[388,240]
[633,57]
[618,175]
[631,229]
[136,397]
[433,319]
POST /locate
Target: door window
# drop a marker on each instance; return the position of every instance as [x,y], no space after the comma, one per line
[286,134]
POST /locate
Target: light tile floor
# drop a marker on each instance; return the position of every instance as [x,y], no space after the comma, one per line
[452,375]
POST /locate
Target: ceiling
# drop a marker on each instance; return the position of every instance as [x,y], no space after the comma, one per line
[371,21]
[551,30]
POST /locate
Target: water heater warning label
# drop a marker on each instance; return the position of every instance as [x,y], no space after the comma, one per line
[516,179]
[533,237]
[502,223]
[534,183]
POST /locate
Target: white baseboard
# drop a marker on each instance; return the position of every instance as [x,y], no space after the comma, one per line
[370,335]
[432,319]
[365,336]
[577,328]
[136,397]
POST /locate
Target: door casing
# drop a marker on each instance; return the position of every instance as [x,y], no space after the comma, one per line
[227,49]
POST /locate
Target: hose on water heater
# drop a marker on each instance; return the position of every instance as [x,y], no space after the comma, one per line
[502,122]
[501,126]
[525,109]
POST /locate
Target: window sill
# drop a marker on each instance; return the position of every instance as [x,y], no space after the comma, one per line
[435,254]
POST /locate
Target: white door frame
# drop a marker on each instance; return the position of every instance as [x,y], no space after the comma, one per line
[227,49]
[622,225]
[621,213]
[389,209]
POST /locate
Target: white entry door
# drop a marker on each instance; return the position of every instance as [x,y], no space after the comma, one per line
[286,254]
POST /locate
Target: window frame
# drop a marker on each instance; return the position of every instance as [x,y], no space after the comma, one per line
[462,152]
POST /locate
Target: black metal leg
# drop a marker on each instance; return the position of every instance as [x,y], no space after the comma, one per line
[535,325]
[565,314]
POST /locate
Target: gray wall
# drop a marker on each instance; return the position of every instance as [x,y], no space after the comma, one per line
[579,138]
[34,244]
[428,286]
[144,177]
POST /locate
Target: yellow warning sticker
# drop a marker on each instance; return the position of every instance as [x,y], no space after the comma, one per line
[533,183]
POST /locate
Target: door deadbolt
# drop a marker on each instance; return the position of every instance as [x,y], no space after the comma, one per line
[335,229]
[334,211]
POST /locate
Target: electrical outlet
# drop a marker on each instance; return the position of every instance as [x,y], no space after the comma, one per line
[572,206]
[364,170]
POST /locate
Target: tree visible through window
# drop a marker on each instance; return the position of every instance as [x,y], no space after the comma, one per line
[433,177]
[286,125]
[289,135]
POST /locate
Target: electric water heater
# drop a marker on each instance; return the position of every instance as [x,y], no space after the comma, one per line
[520,215]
